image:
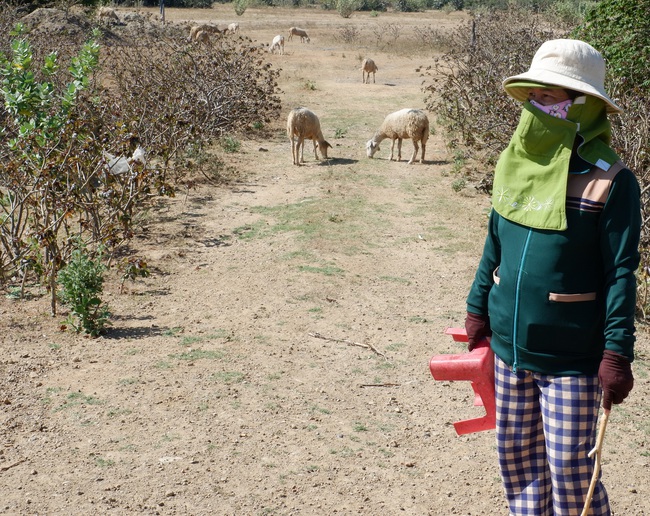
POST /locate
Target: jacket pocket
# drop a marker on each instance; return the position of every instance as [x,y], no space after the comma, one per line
[571,298]
[567,325]
[495,276]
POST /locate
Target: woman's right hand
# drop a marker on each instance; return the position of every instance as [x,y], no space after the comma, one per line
[478,328]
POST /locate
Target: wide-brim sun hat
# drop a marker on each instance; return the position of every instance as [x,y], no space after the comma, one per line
[564,63]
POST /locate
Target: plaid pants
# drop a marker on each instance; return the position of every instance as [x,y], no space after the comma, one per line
[546,426]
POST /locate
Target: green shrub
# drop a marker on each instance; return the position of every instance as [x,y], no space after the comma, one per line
[230,144]
[347,7]
[240,6]
[82,282]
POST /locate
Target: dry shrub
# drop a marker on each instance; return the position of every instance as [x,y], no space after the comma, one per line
[631,139]
[154,89]
[178,94]
[465,89]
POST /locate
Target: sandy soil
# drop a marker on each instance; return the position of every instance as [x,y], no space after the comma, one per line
[276,361]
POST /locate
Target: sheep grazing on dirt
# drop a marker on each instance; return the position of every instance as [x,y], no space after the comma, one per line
[295,31]
[233,27]
[107,15]
[406,123]
[121,164]
[277,44]
[202,37]
[206,29]
[304,124]
[368,66]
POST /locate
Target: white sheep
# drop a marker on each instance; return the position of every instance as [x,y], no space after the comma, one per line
[368,66]
[205,28]
[233,27]
[406,123]
[304,124]
[202,37]
[107,15]
[277,44]
[295,31]
[121,164]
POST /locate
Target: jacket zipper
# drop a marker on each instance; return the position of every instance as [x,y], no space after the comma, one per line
[515,318]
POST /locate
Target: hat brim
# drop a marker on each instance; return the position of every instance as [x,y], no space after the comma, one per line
[517,87]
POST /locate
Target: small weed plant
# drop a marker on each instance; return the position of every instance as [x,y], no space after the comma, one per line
[82,282]
[230,144]
[347,7]
[240,6]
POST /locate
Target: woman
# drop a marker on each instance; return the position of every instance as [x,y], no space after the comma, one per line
[555,286]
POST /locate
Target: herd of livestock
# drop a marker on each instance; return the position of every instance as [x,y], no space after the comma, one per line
[303,124]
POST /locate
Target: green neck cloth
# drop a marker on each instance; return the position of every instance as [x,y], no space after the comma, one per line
[530,179]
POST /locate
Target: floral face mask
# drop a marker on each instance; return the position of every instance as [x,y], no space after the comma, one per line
[558,110]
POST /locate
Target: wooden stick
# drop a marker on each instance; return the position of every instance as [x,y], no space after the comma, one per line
[598,451]
[5,468]
[379,385]
[349,343]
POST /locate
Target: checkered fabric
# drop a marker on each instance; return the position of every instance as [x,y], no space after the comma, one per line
[546,426]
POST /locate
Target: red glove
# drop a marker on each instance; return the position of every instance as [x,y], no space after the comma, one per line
[616,380]
[477,328]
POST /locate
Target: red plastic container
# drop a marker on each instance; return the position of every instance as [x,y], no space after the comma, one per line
[477,367]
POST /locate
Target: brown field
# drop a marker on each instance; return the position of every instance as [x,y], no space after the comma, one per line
[276,360]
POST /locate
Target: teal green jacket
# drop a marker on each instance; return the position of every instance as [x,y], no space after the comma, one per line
[557,299]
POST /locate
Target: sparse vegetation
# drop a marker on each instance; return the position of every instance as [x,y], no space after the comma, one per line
[82,283]
[58,123]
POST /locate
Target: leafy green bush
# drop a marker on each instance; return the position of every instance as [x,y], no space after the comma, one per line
[41,134]
[82,282]
[240,6]
[347,7]
[619,29]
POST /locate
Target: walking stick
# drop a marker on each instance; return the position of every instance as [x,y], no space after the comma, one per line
[596,450]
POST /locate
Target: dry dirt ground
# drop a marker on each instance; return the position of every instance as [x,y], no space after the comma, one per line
[276,360]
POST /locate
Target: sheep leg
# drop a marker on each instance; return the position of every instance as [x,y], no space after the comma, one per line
[315,152]
[294,151]
[424,146]
[399,149]
[301,144]
[415,151]
[392,146]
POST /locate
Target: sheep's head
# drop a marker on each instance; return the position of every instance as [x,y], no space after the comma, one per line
[323,147]
[371,148]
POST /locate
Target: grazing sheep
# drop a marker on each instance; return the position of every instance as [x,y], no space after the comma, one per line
[204,27]
[304,124]
[277,44]
[202,37]
[368,66]
[295,31]
[406,123]
[233,27]
[122,165]
[107,15]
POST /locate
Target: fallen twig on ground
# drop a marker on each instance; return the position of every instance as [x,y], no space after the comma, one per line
[5,468]
[379,385]
[349,343]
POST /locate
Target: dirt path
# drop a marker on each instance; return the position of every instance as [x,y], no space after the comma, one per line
[276,361]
